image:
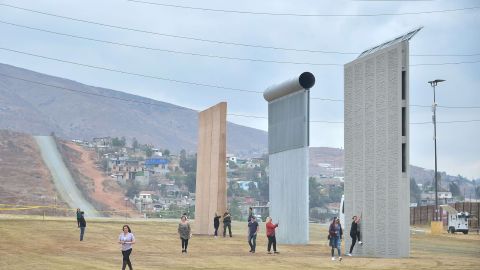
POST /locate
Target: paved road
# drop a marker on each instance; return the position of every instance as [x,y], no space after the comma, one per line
[62,178]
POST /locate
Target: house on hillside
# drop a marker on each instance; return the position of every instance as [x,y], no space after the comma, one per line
[142,177]
[102,142]
[444,197]
[245,185]
[157,165]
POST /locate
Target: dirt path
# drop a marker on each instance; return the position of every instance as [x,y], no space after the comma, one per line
[62,178]
[106,190]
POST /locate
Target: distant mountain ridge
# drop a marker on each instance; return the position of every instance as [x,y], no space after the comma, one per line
[39,110]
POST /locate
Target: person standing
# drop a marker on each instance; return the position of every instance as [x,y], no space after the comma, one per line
[355,233]
[271,236]
[83,224]
[79,215]
[250,213]
[185,232]
[227,223]
[126,239]
[216,224]
[335,237]
[252,234]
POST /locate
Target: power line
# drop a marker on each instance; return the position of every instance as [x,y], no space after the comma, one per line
[300,14]
[132,73]
[189,82]
[77,91]
[170,51]
[341,122]
[446,63]
[208,40]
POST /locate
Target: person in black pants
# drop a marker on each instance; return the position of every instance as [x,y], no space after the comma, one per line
[126,239]
[79,215]
[185,232]
[83,224]
[227,223]
[355,233]
[270,227]
[252,234]
[216,224]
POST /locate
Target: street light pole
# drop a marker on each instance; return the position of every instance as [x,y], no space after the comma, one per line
[434,118]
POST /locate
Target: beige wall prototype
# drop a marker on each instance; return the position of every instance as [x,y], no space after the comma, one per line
[211,185]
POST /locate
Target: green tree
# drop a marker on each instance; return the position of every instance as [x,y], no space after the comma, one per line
[232,165]
[132,190]
[148,151]
[166,152]
[454,189]
[135,144]
[191,181]
[415,192]
[314,193]
[335,193]
[105,164]
[235,210]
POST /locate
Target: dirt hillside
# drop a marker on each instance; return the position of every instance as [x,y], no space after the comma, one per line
[24,178]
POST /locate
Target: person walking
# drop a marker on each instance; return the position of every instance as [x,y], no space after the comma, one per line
[355,233]
[83,224]
[250,213]
[216,224]
[270,228]
[126,239]
[227,223]
[252,233]
[79,215]
[185,232]
[335,236]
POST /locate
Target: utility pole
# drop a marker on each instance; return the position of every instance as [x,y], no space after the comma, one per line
[434,118]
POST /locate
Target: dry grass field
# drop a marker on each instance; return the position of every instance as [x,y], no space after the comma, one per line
[27,242]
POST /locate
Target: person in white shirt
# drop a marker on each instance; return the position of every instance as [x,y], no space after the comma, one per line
[126,239]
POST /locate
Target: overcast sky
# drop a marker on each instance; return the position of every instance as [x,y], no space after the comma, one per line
[443,33]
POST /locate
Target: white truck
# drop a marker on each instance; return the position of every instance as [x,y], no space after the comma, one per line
[457,221]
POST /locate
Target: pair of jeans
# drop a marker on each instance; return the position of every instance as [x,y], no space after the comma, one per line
[252,241]
[82,232]
[225,226]
[216,231]
[126,259]
[272,241]
[337,245]
[184,244]
[354,240]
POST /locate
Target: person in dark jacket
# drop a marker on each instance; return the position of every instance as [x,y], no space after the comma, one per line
[335,236]
[355,233]
[252,234]
[227,223]
[83,225]
[216,224]
[79,215]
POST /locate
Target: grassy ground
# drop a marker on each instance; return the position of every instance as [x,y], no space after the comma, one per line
[29,243]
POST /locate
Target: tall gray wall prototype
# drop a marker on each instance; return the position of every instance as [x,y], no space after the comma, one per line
[288,129]
[377,149]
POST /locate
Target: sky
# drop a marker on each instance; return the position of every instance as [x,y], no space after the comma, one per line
[443,33]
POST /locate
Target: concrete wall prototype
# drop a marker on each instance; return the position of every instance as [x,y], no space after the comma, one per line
[211,182]
[377,151]
[288,129]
